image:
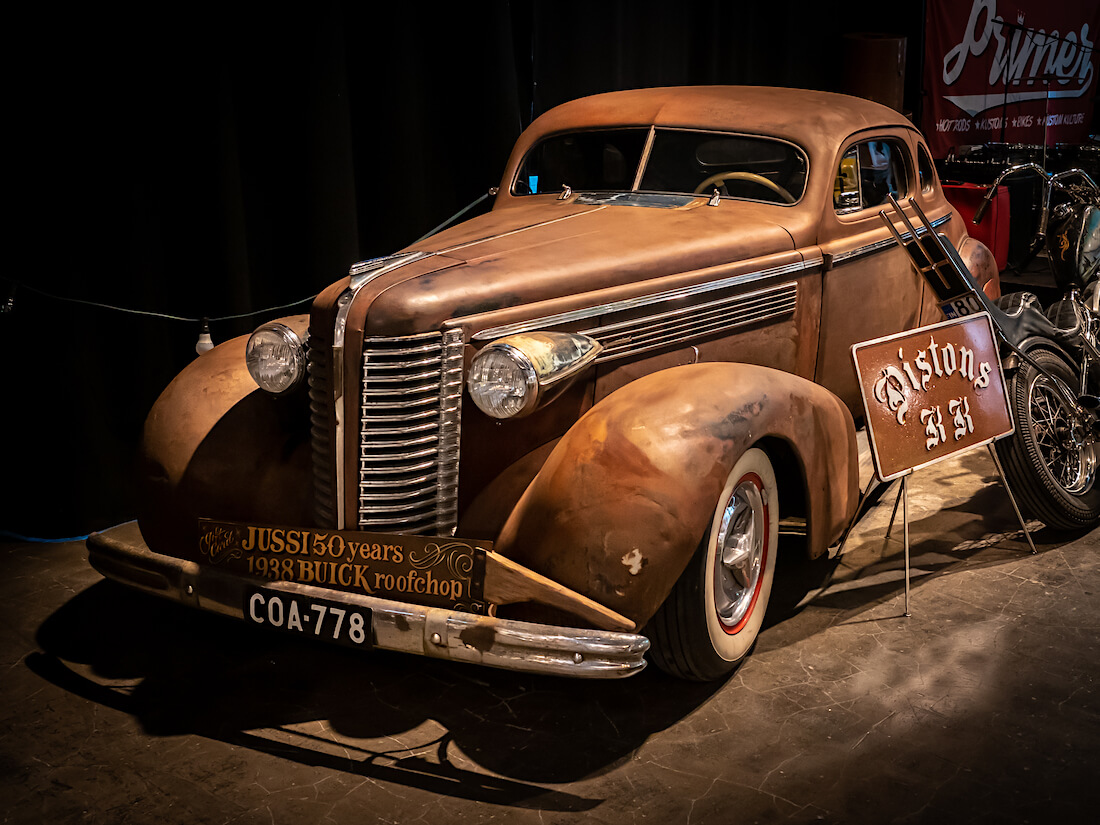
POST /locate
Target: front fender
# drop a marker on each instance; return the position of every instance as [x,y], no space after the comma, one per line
[626,496]
[217,446]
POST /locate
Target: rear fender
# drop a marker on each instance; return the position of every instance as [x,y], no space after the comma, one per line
[982,265]
[217,446]
[627,495]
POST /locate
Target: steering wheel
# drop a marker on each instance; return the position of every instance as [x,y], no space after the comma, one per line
[721,177]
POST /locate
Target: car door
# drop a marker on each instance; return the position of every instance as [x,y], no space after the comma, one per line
[869,288]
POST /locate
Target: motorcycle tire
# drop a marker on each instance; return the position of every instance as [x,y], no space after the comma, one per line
[1049,461]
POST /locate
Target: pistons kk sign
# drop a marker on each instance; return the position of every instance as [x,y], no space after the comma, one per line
[931,393]
[1013,72]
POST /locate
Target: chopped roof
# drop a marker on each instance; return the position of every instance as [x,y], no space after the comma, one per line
[795,114]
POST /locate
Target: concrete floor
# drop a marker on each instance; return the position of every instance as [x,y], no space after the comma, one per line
[983,707]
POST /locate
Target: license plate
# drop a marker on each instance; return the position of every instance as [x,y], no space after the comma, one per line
[962,306]
[313,618]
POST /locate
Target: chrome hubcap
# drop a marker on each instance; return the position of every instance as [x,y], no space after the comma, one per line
[739,554]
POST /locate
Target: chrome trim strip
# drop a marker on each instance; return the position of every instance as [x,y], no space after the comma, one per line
[430,427]
[389,509]
[431,386]
[404,442]
[402,456]
[879,246]
[424,521]
[427,348]
[405,365]
[408,418]
[122,555]
[362,274]
[397,405]
[644,301]
[428,375]
[414,492]
[428,478]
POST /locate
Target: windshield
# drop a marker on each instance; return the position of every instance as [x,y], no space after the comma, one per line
[679,162]
[585,161]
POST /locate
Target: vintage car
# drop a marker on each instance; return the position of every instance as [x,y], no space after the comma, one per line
[566,432]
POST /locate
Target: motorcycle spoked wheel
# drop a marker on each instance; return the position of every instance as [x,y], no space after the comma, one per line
[1050,460]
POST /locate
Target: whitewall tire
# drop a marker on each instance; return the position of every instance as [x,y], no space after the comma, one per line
[713,615]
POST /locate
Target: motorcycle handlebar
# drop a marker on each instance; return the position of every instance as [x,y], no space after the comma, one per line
[1050,182]
[983,207]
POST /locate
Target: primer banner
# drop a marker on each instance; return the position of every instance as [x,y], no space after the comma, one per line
[1013,72]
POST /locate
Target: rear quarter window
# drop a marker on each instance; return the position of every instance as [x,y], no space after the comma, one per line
[926,170]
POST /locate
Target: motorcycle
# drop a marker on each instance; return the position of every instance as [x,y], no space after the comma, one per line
[1050,357]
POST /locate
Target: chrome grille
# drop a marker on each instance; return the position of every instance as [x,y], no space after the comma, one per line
[409,433]
[694,321]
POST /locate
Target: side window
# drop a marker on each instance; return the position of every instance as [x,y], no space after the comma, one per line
[868,173]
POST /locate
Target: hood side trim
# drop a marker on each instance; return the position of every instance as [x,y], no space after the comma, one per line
[643,301]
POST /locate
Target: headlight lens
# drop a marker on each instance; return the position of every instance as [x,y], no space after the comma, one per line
[276,358]
[503,382]
[513,376]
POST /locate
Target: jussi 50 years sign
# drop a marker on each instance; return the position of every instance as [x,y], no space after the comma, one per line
[441,572]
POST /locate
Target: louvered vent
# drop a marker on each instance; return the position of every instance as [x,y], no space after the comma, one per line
[694,321]
[409,433]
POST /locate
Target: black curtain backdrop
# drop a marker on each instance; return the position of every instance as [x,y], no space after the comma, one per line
[212,160]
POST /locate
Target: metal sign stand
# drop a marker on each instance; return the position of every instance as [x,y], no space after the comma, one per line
[903,499]
[1012,498]
[936,259]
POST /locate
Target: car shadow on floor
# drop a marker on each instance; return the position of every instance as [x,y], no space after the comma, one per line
[969,534]
[460,730]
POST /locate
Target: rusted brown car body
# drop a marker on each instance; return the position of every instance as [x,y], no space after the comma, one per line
[725,324]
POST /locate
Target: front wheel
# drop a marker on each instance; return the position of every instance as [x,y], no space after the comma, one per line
[1050,461]
[710,620]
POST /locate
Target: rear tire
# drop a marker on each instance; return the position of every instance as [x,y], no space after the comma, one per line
[1050,461]
[711,619]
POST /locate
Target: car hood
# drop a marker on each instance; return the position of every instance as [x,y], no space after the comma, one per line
[551,249]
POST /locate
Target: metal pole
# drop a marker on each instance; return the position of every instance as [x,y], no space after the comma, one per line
[1012,498]
[905,521]
[894,512]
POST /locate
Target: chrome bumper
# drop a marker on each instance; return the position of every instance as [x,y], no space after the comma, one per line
[120,553]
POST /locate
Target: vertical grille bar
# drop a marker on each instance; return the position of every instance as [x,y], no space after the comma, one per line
[408,433]
[450,415]
[322,429]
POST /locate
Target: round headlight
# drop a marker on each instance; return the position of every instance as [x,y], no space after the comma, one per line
[276,358]
[503,382]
